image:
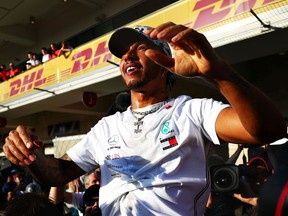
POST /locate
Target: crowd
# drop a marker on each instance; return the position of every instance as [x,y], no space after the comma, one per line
[35,59]
[76,198]
[6,74]
[152,155]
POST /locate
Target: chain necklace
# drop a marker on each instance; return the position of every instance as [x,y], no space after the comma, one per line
[143,114]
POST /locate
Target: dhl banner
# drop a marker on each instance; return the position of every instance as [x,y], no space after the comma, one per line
[83,61]
[92,59]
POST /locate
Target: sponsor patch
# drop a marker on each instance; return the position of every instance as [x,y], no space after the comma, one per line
[169,142]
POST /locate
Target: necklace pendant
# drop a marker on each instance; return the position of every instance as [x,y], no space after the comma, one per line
[136,131]
[138,124]
[143,114]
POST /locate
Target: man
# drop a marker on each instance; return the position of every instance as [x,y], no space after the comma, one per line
[9,186]
[151,156]
[13,71]
[32,61]
[91,200]
[20,179]
[74,199]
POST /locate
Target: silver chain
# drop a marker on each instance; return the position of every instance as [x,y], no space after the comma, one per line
[143,114]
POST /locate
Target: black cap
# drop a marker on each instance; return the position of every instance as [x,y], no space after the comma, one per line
[123,38]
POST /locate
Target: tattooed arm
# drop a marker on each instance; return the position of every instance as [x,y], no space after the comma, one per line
[19,148]
[54,172]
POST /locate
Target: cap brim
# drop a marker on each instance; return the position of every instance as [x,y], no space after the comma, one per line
[122,39]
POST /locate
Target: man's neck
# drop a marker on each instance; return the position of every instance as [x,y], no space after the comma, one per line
[140,100]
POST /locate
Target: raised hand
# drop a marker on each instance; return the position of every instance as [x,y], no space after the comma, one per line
[193,54]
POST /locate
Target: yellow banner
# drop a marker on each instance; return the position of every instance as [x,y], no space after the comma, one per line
[91,57]
[82,61]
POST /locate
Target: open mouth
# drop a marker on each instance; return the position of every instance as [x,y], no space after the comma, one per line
[132,69]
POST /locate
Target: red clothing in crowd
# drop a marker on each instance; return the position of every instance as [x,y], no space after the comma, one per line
[2,76]
[54,50]
[55,54]
[13,71]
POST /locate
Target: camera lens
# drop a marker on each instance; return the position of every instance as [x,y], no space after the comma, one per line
[224,178]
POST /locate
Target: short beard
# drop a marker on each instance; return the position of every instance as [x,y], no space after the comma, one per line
[136,84]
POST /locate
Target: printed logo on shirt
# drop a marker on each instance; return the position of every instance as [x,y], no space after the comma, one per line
[169,104]
[113,140]
[112,156]
[165,128]
[169,142]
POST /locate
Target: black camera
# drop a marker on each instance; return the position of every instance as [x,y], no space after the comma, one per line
[243,179]
[224,178]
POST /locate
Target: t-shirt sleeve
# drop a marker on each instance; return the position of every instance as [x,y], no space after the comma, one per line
[206,116]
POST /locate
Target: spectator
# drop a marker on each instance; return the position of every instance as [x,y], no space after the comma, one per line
[54,50]
[2,75]
[13,71]
[3,70]
[31,204]
[65,49]
[36,60]
[74,197]
[152,156]
[8,186]
[30,63]
[45,55]
[19,179]
[91,201]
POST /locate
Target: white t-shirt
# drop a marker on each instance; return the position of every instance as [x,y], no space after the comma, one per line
[159,171]
[46,57]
